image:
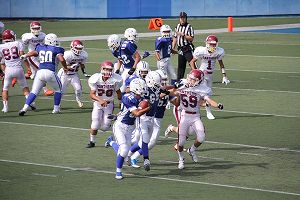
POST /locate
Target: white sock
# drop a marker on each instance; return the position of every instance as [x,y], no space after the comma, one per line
[93,138]
[118,170]
[5,103]
[25,107]
[193,148]
[207,108]
[180,154]
[56,107]
[135,155]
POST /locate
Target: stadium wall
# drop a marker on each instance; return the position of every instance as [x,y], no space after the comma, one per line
[144,8]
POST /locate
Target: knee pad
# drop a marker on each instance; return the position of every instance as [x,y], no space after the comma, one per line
[95,124]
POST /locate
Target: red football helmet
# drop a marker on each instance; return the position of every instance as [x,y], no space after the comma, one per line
[77,47]
[35,27]
[211,42]
[8,36]
[195,77]
[107,68]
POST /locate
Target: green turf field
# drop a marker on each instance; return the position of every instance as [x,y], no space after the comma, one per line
[252,149]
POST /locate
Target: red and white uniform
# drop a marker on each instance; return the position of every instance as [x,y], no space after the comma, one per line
[208,61]
[105,89]
[190,98]
[9,54]
[30,40]
[72,77]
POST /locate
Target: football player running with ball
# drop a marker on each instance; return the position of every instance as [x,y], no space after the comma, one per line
[103,87]
[209,55]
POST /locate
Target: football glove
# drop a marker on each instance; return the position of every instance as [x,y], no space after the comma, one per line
[220,106]
[146,54]
[117,71]
[225,80]
[131,71]
[87,75]
[23,57]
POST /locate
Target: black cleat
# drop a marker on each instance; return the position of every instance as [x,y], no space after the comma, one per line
[90,145]
[22,112]
[32,107]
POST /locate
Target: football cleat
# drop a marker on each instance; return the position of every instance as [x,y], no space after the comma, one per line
[168,130]
[80,104]
[32,106]
[5,109]
[181,164]
[147,164]
[90,145]
[134,164]
[193,155]
[49,93]
[22,112]
[14,82]
[210,116]
[55,111]
[107,142]
[119,175]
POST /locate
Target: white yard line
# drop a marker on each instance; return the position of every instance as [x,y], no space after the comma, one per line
[250,154]
[211,142]
[47,175]
[150,177]
[256,90]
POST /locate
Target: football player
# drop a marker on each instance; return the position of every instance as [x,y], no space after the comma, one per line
[125,123]
[103,87]
[75,59]
[146,122]
[163,50]
[48,54]
[209,55]
[190,99]
[10,52]
[126,53]
[36,36]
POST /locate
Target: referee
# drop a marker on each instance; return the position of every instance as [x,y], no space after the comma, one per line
[183,38]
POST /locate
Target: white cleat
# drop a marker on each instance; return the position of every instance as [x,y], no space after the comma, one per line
[181,164]
[55,111]
[168,130]
[80,104]
[5,109]
[193,155]
[210,116]
[119,175]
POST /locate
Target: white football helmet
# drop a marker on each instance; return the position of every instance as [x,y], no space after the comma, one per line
[35,27]
[142,69]
[165,31]
[131,34]
[51,39]
[138,86]
[113,42]
[153,80]
[164,77]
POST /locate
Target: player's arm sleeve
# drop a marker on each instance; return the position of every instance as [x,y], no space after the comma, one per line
[197,53]
[222,54]
[92,82]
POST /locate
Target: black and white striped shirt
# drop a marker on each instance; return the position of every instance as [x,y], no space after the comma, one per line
[188,30]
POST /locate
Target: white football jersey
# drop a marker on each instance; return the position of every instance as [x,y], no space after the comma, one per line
[208,60]
[105,89]
[71,59]
[9,52]
[190,97]
[30,40]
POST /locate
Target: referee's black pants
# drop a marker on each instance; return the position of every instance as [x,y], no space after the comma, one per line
[182,59]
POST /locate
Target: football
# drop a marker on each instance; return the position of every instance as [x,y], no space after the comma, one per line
[168,87]
[143,104]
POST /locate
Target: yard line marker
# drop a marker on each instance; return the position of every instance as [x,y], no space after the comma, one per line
[151,177]
[47,175]
[4,180]
[251,154]
[212,142]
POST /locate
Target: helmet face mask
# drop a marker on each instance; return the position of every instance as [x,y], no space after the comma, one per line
[76,47]
[142,69]
[165,31]
[131,34]
[113,42]
[35,27]
[195,77]
[107,69]
[211,42]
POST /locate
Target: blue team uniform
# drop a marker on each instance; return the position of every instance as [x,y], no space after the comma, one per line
[125,53]
[161,107]
[128,102]
[164,46]
[129,79]
[152,96]
[47,56]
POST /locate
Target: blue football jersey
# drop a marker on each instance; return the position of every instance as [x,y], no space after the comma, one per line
[129,103]
[47,56]
[125,53]
[152,96]
[164,46]
[161,106]
[129,79]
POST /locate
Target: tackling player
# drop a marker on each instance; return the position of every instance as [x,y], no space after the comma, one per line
[48,54]
[75,59]
[103,86]
[209,55]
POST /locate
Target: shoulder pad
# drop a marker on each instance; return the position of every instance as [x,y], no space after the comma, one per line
[94,78]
